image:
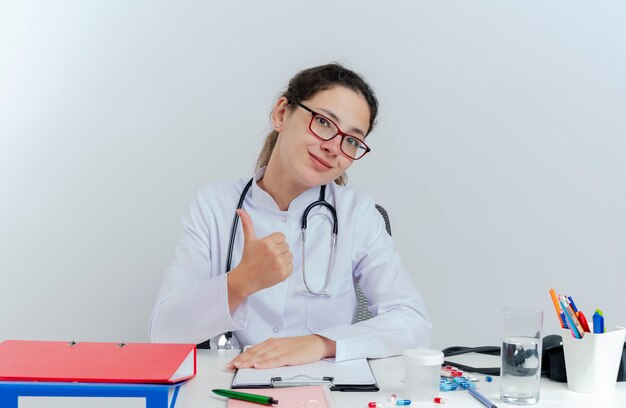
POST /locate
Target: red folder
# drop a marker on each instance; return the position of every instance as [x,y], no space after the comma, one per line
[96,362]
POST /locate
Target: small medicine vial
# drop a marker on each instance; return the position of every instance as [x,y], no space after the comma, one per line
[422,374]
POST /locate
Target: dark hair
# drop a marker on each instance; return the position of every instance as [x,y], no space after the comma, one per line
[306,84]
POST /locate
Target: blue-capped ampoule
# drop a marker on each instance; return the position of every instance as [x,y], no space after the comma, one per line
[464,382]
[447,385]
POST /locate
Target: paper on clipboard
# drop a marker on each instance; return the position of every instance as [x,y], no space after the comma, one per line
[351,375]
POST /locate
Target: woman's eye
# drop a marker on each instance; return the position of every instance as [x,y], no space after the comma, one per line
[322,121]
[353,141]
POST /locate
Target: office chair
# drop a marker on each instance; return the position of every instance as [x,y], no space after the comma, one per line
[361,313]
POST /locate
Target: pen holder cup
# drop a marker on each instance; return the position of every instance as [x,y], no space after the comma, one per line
[591,363]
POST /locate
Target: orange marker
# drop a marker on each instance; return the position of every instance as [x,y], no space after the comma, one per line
[557,307]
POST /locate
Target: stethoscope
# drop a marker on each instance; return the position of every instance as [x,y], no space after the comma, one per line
[225,341]
[320,202]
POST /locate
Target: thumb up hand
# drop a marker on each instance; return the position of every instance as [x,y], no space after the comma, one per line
[265,261]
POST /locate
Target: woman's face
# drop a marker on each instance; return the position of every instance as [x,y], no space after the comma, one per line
[304,157]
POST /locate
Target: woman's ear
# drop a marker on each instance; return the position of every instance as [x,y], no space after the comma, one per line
[278,113]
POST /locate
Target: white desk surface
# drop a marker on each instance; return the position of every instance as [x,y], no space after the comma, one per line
[389,372]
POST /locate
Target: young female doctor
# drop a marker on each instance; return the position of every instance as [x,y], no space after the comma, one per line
[290,289]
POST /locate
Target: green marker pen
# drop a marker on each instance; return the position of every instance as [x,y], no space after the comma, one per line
[257,399]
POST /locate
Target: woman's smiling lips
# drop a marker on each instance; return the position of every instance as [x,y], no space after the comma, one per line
[319,163]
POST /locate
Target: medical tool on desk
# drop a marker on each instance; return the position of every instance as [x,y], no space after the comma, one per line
[320,202]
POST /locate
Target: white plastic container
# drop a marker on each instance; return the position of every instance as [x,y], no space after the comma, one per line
[422,373]
[592,362]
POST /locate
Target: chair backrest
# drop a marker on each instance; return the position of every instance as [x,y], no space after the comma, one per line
[362,313]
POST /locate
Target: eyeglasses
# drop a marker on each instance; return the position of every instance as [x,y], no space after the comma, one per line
[325,129]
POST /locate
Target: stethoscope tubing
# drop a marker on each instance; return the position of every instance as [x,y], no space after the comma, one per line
[233,231]
[329,274]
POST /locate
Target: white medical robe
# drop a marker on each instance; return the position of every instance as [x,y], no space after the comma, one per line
[192,305]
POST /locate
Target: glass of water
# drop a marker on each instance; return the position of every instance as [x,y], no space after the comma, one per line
[520,371]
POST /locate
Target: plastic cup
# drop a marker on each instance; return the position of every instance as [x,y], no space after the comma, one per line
[591,363]
[422,374]
[521,355]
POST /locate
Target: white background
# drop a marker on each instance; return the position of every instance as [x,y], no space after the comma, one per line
[499,152]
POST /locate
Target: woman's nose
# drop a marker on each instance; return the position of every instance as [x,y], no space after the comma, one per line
[332,146]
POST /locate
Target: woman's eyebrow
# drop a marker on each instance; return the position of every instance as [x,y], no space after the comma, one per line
[336,119]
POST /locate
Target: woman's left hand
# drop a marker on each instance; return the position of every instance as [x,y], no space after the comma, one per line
[278,352]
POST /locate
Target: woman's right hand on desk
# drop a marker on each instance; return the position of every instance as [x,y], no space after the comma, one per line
[264,263]
[278,352]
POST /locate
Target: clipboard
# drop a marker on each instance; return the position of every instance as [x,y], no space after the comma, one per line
[351,375]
